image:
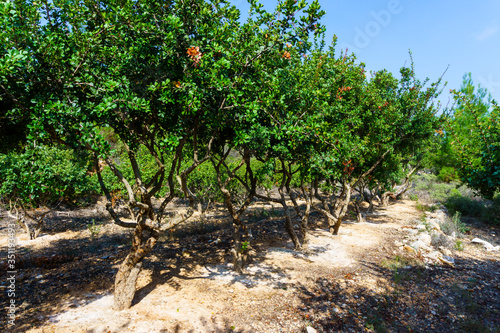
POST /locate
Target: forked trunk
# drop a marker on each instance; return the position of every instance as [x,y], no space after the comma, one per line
[401,190]
[341,207]
[386,197]
[126,277]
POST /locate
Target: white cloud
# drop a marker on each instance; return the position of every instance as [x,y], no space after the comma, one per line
[491,30]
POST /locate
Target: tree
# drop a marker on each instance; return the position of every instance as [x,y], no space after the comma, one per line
[474,130]
[376,120]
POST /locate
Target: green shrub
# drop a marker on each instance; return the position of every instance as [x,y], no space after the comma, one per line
[454,226]
[448,174]
[430,190]
[41,175]
[466,206]
[487,211]
[413,197]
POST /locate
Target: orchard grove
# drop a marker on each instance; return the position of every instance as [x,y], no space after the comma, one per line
[162,100]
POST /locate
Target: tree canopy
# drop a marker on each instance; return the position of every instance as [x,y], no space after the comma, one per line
[186,82]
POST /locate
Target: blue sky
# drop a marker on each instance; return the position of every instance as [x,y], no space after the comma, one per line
[462,34]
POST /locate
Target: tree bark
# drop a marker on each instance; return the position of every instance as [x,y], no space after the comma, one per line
[125,284]
[359,215]
[401,190]
[126,278]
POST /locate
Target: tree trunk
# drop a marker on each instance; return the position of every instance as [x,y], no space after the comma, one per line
[125,283]
[359,215]
[386,197]
[370,207]
[341,207]
[38,228]
[289,228]
[401,190]
[304,223]
[288,221]
[335,228]
[126,278]
[238,255]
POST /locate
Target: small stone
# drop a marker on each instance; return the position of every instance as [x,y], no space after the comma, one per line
[409,249]
[433,255]
[398,243]
[310,329]
[425,238]
[447,261]
[445,251]
[419,245]
[24,305]
[434,225]
[487,246]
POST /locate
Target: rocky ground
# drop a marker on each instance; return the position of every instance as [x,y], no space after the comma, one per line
[396,272]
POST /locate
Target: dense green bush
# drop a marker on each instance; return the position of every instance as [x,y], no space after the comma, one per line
[448,174]
[41,175]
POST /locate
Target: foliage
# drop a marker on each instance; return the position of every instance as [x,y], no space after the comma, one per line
[94,229]
[42,175]
[430,190]
[447,174]
[485,210]
[459,245]
[474,129]
[171,82]
[454,226]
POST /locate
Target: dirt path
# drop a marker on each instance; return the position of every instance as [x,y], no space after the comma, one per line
[180,290]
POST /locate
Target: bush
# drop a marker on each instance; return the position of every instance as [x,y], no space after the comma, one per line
[454,226]
[466,206]
[41,175]
[430,190]
[488,211]
[438,239]
[448,174]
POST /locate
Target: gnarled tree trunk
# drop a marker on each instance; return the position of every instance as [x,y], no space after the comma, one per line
[336,212]
[241,237]
[401,190]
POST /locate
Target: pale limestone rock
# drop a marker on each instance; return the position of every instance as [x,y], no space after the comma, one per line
[487,246]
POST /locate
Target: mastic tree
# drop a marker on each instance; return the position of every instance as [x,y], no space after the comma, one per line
[376,119]
[474,132]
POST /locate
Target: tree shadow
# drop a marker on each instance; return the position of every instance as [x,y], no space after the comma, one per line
[407,299]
